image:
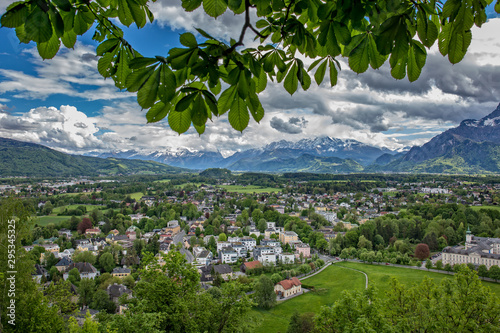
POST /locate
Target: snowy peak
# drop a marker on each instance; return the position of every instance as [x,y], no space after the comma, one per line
[493,119]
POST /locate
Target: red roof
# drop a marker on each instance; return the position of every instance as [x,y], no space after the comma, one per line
[290,283]
[252,264]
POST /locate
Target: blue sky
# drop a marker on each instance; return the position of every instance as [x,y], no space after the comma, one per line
[65,104]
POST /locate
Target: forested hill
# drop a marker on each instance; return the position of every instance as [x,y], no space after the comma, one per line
[19,158]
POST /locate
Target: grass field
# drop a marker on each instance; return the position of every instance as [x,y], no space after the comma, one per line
[186,184]
[44,220]
[136,195]
[58,210]
[485,207]
[162,181]
[249,189]
[335,279]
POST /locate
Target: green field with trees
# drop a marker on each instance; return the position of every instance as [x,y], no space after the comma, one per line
[330,283]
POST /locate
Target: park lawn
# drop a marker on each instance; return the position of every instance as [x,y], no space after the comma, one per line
[333,280]
[136,195]
[58,210]
[166,180]
[249,189]
[180,186]
[380,276]
[337,278]
[477,208]
[44,220]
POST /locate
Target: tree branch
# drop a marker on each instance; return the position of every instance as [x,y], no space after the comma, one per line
[244,29]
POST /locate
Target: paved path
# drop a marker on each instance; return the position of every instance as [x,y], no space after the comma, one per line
[366,276]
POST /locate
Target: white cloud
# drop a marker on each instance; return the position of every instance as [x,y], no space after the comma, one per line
[73,72]
[66,128]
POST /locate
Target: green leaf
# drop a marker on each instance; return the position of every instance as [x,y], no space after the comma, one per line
[188,39]
[333,73]
[291,80]
[157,112]
[168,84]
[497,7]
[48,50]
[146,96]
[226,99]
[398,71]
[138,78]
[15,16]
[124,13]
[104,64]
[234,5]
[185,102]
[190,5]
[359,58]
[444,39]
[413,69]
[199,129]
[141,62]
[107,46]
[255,107]
[458,47]
[57,22]
[243,86]
[238,115]
[180,121]
[122,69]
[138,14]
[199,111]
[38,27]
[69,39]
[376,59]
[214,8]
[320,73]
[80,25]
[261,82]
[64,5]
[21,34]
[261,24]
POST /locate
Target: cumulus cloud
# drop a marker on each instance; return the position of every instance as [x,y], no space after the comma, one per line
[294,125]
[71,72]
[66,128]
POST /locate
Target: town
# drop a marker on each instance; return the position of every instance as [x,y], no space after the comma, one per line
[250,228]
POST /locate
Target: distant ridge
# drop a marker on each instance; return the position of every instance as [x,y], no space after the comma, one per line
[471,147]
[19,158]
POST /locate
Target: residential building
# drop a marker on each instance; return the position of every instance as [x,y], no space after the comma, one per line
[286,258]
[288,236]
[303,249]
[63,264]
[121,271]
[86,270]
[228,255]
[288,287]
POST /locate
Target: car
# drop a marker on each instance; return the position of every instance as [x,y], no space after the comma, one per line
[337,258]
[387,263]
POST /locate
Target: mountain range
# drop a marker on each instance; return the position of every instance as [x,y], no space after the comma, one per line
[472,147]
[29,159]
[321,154]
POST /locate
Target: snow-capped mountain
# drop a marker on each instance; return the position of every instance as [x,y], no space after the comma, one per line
[183,158]
[252,159]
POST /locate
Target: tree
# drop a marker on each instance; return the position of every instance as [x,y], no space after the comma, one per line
[86,290]
[494,273]
[107,262]
[60,295]
[439,264]
[301,323]
[422,251]
[189,78]
[428,264]
[84,225]
[74,276]
[482,270]
[264,296]
[448,267]
[101,302]
[364,243]
[50,261]
[222,237]
[84,256]
[276,277]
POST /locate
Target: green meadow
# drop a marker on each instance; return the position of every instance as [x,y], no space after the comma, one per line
[329,285]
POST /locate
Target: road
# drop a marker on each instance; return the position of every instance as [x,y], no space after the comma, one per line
[178,239]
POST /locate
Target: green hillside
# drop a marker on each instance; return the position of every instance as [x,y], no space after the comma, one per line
[27,159]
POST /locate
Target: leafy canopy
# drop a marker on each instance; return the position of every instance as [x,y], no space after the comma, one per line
[185,85]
